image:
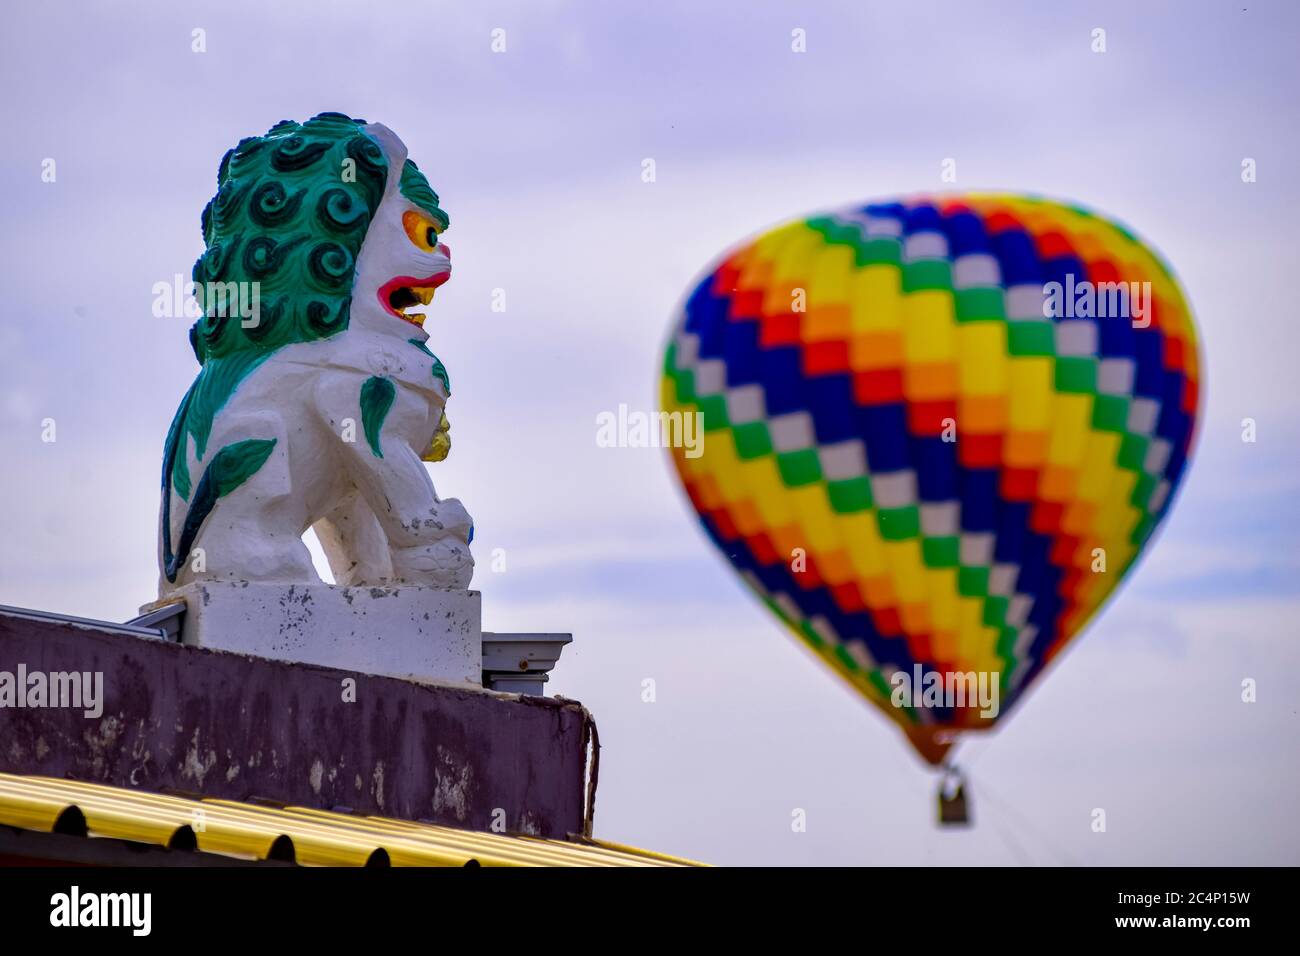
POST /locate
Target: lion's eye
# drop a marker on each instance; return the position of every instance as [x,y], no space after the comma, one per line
[420,230]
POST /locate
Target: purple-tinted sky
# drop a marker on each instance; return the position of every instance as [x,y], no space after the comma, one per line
[537,155]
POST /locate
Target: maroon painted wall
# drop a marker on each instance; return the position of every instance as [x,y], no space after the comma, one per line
[197,721]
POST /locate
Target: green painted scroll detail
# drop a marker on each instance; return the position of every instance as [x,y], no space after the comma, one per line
[377,395]
[439,370]
[215,384]
[440,373]
[230,468]
[416,188]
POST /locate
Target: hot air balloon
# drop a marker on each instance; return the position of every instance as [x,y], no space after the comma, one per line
[938,432]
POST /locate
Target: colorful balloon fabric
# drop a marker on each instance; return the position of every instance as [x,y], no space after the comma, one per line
[937,432]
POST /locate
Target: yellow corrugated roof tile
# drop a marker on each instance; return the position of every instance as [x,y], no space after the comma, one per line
[320,837]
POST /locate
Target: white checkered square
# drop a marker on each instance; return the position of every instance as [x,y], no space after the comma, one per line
[976,270]
[925,245]
[1115,376]
[897,489]
[792,432]
[1076,337]
[1025,303]
[846,459]
[745,404]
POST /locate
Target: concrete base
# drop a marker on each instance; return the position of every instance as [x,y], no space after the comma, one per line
[415,633]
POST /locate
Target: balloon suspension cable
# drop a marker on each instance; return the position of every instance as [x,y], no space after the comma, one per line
[1016,850]
[1025,825]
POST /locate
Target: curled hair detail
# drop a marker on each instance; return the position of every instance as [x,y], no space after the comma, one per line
[271,205]
[264,255]
[269,319]
[330,264]
[323,320]
[291,213]
[337,211]
[214,264]
[297,152]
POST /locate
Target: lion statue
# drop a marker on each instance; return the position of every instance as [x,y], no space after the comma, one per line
[316,407]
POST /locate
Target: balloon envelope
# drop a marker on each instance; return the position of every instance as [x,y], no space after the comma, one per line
[938,432]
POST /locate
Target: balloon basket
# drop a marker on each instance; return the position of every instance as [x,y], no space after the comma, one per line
[954,804]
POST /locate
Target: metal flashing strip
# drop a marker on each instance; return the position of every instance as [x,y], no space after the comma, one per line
[132,628]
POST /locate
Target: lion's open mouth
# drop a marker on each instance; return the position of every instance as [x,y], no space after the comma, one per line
[402,294]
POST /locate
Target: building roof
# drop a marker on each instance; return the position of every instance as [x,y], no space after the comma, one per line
[176,719]
[310,837]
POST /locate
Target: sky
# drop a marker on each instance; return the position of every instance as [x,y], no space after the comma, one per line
[537,154]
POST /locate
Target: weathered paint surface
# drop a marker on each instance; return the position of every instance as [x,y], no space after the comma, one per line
[199,721]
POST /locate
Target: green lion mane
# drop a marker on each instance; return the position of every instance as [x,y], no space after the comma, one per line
[291,213]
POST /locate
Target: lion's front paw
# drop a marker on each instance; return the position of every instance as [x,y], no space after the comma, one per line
[444,564]
[452,517]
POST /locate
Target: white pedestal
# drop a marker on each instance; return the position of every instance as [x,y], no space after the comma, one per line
[416,633]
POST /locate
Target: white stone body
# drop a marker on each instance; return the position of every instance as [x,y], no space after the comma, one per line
[378,517]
